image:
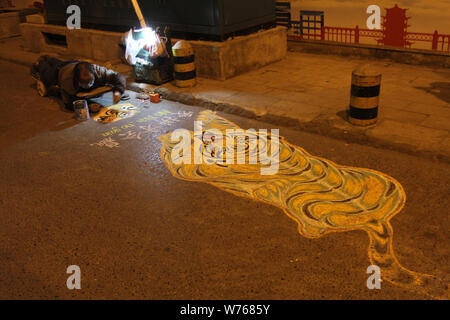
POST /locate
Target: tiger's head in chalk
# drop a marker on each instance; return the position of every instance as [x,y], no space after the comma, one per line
[222,146]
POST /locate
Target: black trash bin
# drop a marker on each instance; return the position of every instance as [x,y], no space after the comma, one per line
[159,70]
[193,19]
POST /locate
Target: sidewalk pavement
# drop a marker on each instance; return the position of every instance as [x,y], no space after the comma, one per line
[312,92]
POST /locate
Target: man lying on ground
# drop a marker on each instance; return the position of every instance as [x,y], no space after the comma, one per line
[75,76]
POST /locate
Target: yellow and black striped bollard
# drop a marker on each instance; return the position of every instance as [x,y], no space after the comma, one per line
[365,96]
[184,61]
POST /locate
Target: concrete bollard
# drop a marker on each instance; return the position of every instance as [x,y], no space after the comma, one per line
[185,73]
[365,96]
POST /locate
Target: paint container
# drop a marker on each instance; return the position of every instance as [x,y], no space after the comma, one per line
[125,97]
[143,96]
[154,97]
[81,109]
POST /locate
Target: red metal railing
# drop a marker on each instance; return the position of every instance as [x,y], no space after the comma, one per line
[369,33]
[417,36]
[337,34]
[439,42]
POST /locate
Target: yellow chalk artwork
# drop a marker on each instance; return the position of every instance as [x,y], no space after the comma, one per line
[321,196]
[116,112]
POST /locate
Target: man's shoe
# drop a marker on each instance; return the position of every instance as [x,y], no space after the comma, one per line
[34,71]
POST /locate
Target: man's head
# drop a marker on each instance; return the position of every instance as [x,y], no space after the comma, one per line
[84,75]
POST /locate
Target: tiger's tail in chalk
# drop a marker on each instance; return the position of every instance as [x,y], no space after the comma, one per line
[381,254]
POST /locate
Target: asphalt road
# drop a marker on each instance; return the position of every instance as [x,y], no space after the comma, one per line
[70,197]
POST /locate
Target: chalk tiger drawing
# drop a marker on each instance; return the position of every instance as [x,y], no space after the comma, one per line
[321,196]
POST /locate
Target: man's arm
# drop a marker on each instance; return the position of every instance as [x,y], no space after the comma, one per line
[111,78]
[67,99]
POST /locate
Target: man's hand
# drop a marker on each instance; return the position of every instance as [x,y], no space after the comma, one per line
[116,97]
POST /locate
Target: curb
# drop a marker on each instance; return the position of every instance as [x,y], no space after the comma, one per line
[332,126]
[424,57]
[24,58]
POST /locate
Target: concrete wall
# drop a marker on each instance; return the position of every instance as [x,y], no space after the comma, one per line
[402,55]
[223,60]
[10,21]
[9,24]
[86,43]
[18,3]
[215,60]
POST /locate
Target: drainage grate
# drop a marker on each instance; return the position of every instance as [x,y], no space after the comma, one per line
[55,39]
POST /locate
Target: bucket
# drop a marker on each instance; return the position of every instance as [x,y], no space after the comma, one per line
[154,97]
[81,109]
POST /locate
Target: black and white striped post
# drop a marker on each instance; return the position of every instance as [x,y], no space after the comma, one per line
[184,63]
[365,96]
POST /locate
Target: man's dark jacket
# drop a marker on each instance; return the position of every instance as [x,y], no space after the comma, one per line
[53,71]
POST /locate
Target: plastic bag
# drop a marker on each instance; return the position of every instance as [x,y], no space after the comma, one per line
[131,48]
[144,39]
